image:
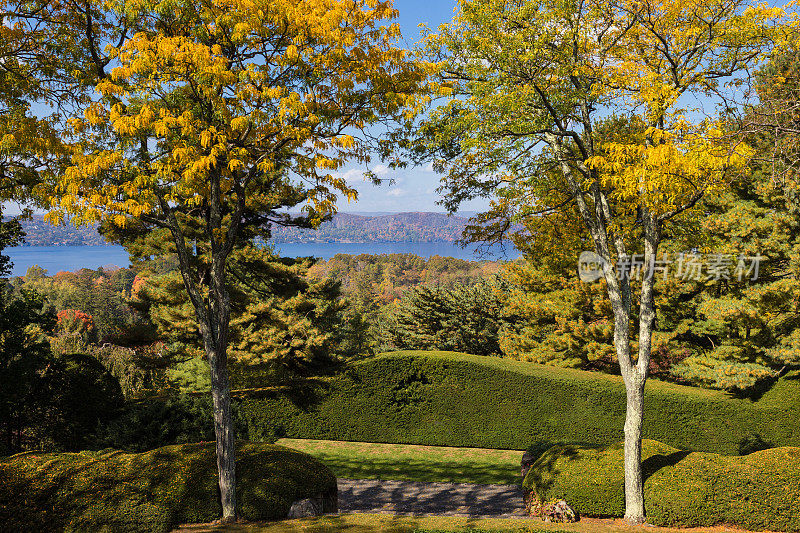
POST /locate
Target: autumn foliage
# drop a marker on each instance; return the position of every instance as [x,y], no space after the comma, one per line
[72,321]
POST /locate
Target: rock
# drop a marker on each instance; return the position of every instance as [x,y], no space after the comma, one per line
[527,460]
[552,511]
[306,507]
[317,505]
[557,511]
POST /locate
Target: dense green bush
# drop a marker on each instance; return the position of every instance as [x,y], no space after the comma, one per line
[147,424]
[52,401]
[440,398]
[154,422]
[152,491]
[760,491]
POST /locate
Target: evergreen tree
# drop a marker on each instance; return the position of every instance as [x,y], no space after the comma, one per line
[558,319]
[463,318]
[282,324]
[745,327]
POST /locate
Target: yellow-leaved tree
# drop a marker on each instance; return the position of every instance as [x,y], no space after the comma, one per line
[51,53]
[218,114]
[594,121]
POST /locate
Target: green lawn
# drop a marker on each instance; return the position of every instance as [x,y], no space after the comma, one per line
[375,523]
[403,462]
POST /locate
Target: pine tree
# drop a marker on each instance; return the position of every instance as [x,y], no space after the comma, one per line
[462,317]
[746,327]
[283,325]
[558,319]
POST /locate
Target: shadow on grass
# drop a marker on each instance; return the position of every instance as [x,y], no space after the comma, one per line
[361,523]
[406,469]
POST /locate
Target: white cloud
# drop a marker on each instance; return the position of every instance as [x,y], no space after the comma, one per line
[397,192]
[352,175]
[380,170]
[356,175]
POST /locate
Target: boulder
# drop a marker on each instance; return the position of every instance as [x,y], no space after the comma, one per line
[528,458]
[552,511]
[557,511]
[305,508]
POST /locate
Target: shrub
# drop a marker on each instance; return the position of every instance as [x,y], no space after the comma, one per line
[152,491]
[52,401]
[449,399]
[465,317]
[147,424]
[682,489]
[83,395]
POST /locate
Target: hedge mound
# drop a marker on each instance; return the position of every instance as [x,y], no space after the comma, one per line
[152,491]
[760,491]
[450,399]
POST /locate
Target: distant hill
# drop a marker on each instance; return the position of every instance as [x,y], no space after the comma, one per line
[345,227]
[41,233]
[394,227]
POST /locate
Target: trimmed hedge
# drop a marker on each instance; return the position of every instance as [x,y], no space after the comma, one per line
[152,491]
[450,399]
[760,491]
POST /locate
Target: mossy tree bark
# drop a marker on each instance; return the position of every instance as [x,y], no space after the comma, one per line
[212,307]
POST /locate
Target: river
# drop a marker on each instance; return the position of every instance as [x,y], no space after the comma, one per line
[71,258]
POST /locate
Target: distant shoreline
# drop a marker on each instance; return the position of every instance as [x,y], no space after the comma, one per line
[55,258]
[407,227]
[96,245]
[61,245]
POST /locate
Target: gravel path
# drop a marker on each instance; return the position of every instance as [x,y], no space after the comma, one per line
[442,499]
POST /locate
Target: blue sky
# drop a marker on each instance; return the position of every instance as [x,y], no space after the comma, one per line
[414,189]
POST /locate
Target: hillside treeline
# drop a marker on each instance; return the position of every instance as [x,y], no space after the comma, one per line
[343,227]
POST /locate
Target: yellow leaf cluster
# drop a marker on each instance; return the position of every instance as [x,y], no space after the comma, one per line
[665,172]
[223,98]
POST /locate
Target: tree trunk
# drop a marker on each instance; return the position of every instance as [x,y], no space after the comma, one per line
[219,317]
[213,314]
[224,432]
[634,415]
[619,294]
[635,377]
